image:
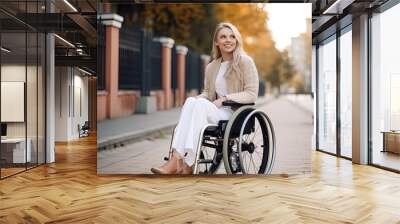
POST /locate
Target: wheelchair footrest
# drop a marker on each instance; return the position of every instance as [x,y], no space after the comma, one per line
[205,161]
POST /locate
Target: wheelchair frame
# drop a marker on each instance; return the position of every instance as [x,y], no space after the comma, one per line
[222,137]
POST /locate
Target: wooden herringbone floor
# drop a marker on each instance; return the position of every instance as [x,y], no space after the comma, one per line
[70,191]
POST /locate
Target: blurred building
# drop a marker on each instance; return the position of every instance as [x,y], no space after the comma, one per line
[299,53]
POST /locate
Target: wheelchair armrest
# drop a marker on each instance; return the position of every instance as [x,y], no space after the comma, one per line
[231,103]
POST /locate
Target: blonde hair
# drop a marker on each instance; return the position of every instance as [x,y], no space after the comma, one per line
[237,53]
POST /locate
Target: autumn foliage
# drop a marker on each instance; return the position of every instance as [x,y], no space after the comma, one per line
[193,25]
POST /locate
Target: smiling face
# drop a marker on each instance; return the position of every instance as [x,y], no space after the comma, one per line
[226,41]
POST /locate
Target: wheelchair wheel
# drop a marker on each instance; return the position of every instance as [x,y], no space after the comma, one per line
[231,141]
[256,146]
[249,143]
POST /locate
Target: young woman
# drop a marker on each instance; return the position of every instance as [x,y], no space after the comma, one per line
[232,75]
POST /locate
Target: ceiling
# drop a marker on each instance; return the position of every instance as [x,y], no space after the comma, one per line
[72,20]
[76,22]
[326,13]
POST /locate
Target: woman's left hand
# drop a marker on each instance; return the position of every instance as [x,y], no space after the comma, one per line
[218,102]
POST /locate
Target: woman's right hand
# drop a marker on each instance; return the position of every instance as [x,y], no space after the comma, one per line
[218,102]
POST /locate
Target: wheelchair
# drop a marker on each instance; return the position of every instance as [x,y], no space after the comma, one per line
[245,143]
[83,130]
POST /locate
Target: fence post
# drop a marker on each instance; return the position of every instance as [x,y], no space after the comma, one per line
[113,24]
[181,52]
[145,67]
[146,104]
[167,44]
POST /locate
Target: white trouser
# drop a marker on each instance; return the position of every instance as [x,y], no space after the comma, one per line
[196,113]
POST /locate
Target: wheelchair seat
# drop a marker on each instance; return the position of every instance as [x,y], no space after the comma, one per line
[212,130]
[217,131]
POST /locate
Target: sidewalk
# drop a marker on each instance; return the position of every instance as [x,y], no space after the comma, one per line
[137,126]
[293,130]
[304,102]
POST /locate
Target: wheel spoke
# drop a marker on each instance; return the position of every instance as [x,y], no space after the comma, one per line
[251,163]
[248,136]
[254,165]
[248,168]
[244,162]
[206,158]
[256,125]
[257,128]
[255,133]
[258,154]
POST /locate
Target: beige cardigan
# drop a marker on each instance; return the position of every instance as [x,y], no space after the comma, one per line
[241,88]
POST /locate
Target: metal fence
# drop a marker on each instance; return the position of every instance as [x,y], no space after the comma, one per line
[140,63]
[155,68]
[194,71]
[130,59]
[174,69]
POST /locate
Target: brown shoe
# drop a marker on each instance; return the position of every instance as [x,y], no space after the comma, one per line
[160,171]
[186,169]
[168,168]
[173,166]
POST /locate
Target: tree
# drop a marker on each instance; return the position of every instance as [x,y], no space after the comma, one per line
[187,24]
[193,25]
[173,20]
[287,69]
[251,20]
[297,82]
[274,77]
[282,71]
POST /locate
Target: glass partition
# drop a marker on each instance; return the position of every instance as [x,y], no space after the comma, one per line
[327,95]
[41,91]
[31,99]
[22,89]
[346,92]
[385,88]
[14,153]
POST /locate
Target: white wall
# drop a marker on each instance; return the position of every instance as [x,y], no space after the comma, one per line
[62,81]
[71,93]
[16,73]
